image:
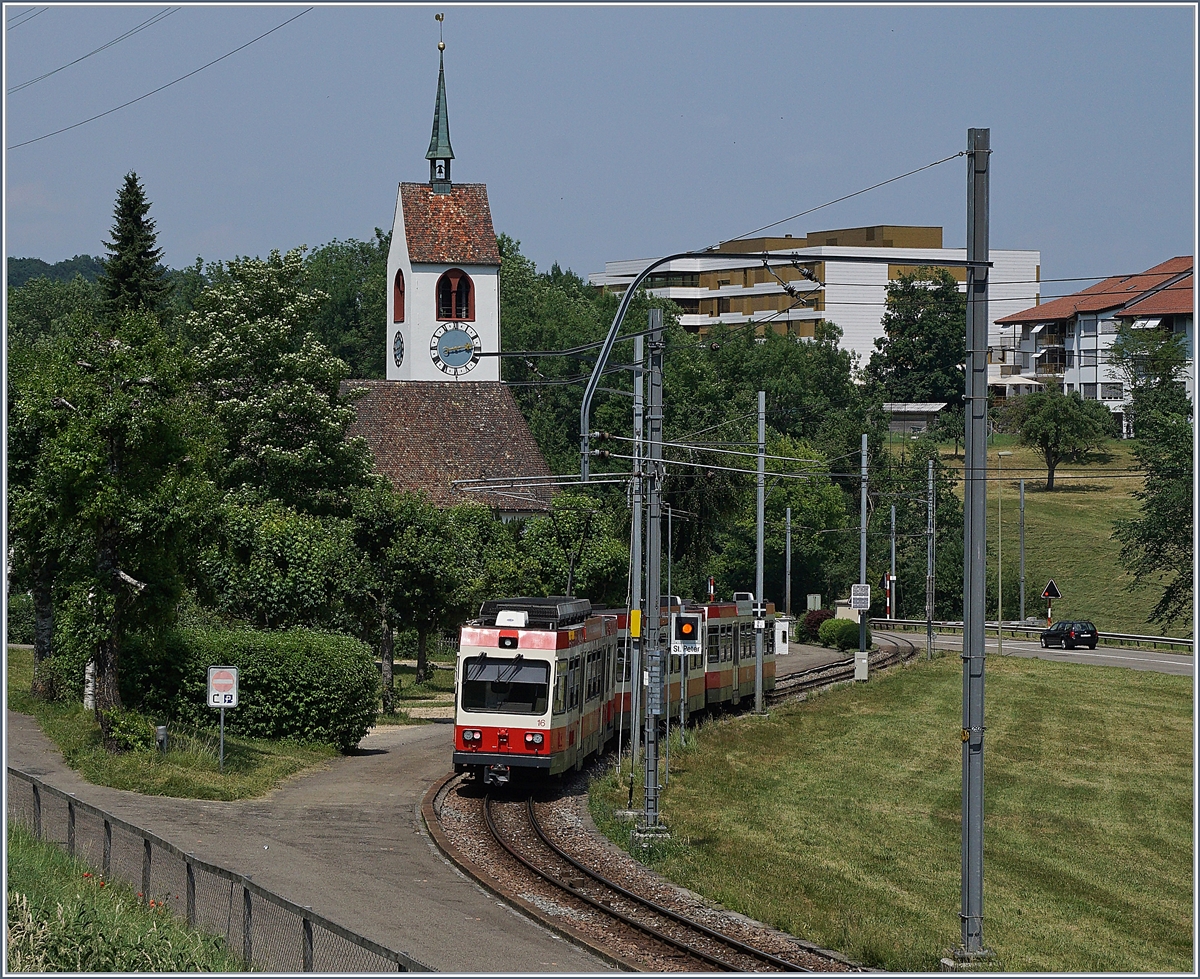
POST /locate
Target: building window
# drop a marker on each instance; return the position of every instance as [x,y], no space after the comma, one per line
[1087,358]
[722,306]
[1089,391]
[1070,388]
[1112,392]
[1071,328]
[1070,358]
[455,296]
[398,297]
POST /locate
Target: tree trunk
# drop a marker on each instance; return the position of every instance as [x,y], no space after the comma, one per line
[108,691]
[43,628]
[1050,466]
[385,654]
[422,666]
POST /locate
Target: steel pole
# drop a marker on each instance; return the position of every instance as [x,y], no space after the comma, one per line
[654,704]
[787,561]
[860,662]
[975,542]
[758,560]
[635,643]
[929,562]
[999,555]
[892,579]
[1022,552]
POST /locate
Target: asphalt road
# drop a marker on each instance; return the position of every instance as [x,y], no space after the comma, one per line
[1154,660]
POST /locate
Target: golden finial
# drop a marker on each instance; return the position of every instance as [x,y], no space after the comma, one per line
[439,18]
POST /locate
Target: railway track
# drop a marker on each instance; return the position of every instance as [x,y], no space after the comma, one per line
[672,940]
[901,651]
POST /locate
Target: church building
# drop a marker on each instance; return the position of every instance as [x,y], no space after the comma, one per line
[443,413]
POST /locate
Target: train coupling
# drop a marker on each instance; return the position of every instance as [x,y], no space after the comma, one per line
[496,775]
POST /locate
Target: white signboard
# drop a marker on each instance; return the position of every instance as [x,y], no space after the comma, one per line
[222,686]
[860,597]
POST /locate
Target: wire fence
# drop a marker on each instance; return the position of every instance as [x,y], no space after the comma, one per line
[270,933]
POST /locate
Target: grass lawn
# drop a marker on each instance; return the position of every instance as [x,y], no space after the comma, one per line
[62,919]
[838,819]
[190,769]
[1068,536]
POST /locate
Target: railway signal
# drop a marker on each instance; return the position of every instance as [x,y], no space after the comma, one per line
[685,634]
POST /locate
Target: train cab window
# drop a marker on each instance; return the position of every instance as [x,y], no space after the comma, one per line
[505,686]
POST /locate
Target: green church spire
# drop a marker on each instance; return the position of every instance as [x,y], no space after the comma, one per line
[440,152]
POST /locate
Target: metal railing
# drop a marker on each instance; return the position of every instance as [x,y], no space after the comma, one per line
[1014,629]
[269,932]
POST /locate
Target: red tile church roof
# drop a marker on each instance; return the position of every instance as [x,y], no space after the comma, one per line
[425,434]
[449,229]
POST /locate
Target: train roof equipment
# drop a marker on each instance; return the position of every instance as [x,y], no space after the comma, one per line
[553,612]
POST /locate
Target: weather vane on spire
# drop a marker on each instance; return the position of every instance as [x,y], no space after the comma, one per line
[439,18]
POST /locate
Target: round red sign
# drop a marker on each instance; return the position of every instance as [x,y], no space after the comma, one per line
[222,681]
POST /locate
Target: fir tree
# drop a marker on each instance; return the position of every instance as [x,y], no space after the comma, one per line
[133,278]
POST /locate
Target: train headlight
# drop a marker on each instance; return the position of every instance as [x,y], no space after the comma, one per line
[469,736]
[534,738]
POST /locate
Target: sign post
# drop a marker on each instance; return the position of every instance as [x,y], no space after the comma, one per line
[222,693]
[1050,593]
[860,601]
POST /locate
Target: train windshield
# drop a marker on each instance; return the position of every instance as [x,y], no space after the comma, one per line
[507,686]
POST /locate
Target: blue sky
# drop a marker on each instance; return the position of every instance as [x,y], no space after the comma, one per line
[610,132]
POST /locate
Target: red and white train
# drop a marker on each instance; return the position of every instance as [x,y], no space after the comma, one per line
[541,684]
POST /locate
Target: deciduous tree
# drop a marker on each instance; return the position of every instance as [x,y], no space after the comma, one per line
[920,356]
[1060,426]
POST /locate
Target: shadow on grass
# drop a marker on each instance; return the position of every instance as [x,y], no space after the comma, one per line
[1066,488]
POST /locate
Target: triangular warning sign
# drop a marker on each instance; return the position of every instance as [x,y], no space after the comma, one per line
[1051,590]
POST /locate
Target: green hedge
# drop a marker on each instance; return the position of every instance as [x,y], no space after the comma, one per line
[842,633]
[302,684]
[20,618]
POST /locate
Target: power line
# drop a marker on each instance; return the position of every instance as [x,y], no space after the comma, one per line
[161,15]
[847,197]
[15,21]
[161,87]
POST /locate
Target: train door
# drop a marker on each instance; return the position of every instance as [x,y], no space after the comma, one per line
[737,663]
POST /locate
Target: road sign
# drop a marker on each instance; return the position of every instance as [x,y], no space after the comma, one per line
[222,686]
[1051,590]
[860,597]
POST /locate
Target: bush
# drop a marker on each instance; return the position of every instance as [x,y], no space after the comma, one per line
[301,684]
[842,633]
[130,731]
[20,618]
[812,622]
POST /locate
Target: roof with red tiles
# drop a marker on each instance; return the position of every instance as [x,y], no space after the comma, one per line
[426,434]
[449,229]
[1175,300]
[1110,294]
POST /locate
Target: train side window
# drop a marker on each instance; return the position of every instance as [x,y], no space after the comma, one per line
[574,682]
[714,644]
[560,687]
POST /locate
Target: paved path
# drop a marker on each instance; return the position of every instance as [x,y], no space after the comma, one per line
[346,840]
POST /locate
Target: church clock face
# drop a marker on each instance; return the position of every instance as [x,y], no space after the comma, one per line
[454,348]
[398,348]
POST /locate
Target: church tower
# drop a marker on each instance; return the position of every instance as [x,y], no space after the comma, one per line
[443,306]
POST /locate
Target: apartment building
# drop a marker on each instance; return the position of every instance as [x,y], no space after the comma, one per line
[840,276]
[1065,342]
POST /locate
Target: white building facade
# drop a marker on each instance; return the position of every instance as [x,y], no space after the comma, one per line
[838,276]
